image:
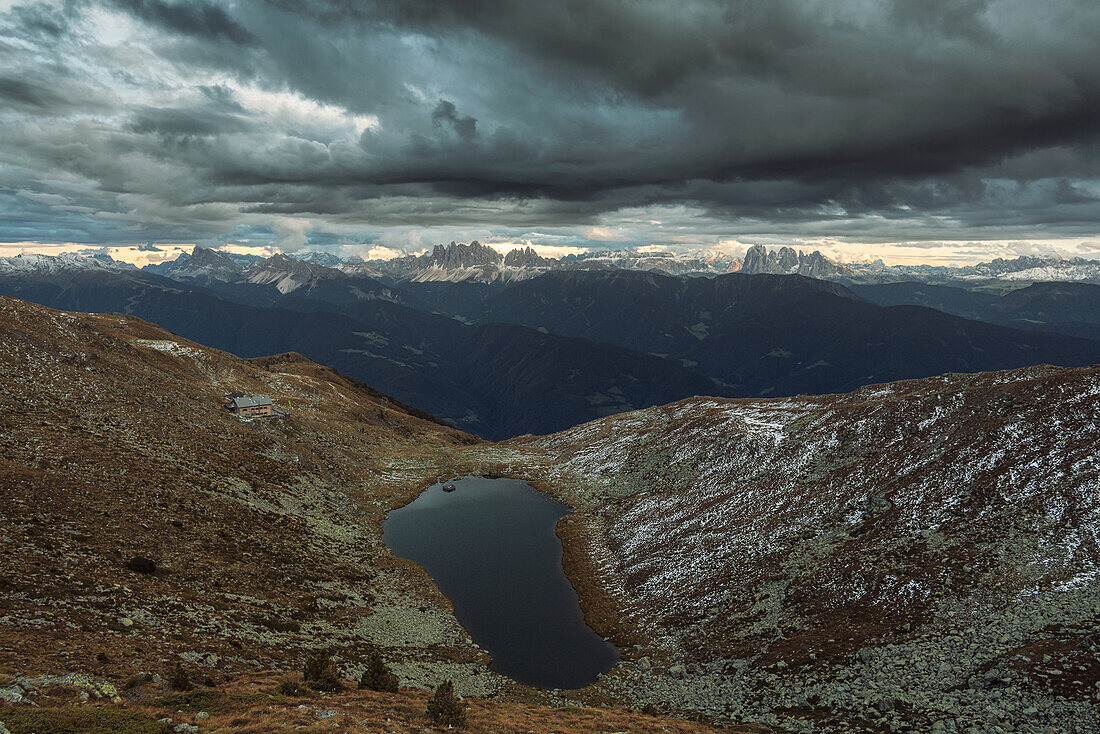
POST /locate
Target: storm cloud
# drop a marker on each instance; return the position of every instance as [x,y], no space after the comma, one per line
[677,123]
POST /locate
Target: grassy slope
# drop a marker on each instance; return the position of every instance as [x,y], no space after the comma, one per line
[266,535]
[950,526]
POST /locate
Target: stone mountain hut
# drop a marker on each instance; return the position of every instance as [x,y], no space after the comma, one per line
[250,406]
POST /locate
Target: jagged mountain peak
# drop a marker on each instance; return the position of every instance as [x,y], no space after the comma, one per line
[526,257]
[207,256]
[458,255]
[788,261]
[289,274]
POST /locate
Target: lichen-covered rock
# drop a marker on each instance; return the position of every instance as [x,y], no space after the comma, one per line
[81,682]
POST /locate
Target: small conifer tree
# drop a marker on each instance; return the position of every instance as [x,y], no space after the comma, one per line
[444,708]
[179,681]
[320,674]
[378,676]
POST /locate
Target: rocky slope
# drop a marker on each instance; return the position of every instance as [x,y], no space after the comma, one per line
[917,556]
[256,704]
[115,444]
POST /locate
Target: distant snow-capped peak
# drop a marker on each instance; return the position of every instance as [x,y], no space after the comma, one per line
[38,263]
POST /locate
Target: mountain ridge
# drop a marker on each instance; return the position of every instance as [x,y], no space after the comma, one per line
[491,379]
[922,553]
[579,343]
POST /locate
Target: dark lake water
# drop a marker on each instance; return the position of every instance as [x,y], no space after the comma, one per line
[490,547]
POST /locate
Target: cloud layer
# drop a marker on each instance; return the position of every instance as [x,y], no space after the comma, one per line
[674,123]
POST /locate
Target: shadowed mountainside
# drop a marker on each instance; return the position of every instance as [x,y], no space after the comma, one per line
[1061,308]
[495,380]
[773,334]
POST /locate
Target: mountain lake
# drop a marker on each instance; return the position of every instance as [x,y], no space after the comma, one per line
[490,546]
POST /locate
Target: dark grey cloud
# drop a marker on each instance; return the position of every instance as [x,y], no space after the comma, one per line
[895,119]
[37,21]
[202,19]
[186,123]
[445,113]
[27,94]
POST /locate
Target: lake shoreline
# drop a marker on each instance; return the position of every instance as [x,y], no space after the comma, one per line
[494,548]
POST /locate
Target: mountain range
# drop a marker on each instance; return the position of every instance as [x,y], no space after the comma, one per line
[543,353]
[475,262]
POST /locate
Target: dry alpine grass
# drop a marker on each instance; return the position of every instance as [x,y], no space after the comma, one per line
[252,705]
[114,444]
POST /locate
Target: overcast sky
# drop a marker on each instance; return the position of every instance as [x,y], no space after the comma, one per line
[914,129]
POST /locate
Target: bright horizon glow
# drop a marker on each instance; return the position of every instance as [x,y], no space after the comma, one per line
[542,250]
[947,253]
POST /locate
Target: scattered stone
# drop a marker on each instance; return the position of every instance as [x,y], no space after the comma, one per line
[207,659]
[82,682]
[11,694]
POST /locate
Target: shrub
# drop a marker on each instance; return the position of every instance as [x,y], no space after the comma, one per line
[82,720]
[316,663]
[141,564]
[136,681]
[179,681]
[328,682]
[378,676]
[444,708]
[319,673]
[292,688]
